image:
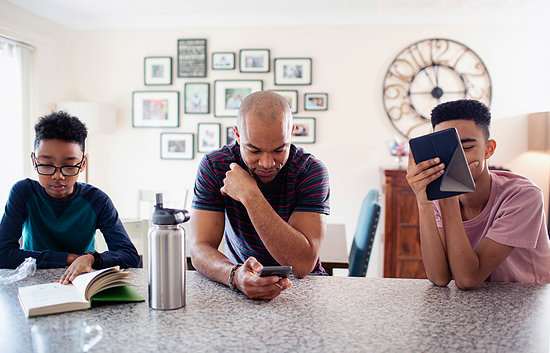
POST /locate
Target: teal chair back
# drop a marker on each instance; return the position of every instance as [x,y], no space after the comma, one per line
[361,248]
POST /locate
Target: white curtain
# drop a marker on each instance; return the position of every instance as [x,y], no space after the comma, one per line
[14,114]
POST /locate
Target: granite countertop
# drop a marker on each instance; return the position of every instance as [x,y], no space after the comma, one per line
[317,314]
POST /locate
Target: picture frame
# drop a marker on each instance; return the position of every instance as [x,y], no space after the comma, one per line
[177,145]
[304,130]
[315,101]
[155,109]
[196,98]
[291,96]
[191,57]
[254,60]
[228,95]
[223,61]
[157,71]
[208,137]
[292,71]
[230,135]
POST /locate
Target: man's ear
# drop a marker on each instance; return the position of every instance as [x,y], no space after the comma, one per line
[237,135]
[490,149]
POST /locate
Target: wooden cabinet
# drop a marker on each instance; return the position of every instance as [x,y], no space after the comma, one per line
[402,258]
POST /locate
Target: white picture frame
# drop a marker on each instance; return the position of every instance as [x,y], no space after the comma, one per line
[155,109]
[177,145]
[304,130]
[292,71]
[157,71]
[208,137]
[228,95]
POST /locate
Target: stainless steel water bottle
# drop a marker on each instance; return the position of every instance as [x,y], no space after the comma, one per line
[166,257]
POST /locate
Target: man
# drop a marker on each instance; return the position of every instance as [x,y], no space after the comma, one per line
[498,232]
[266,198]
[56,216]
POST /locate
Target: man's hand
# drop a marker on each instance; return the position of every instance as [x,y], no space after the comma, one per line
[255,287]
[80,265]
[421,174]
[238,184]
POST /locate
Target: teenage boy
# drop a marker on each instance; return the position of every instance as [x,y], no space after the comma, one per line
[57,217]
[498,232]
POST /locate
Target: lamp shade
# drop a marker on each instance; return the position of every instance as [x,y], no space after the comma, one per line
[99,118]
[539,132]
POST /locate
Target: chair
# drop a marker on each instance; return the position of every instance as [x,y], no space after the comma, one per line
[364,235]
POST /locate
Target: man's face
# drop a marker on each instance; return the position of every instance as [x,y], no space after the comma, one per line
[58,153]
[265,146]
[474,142]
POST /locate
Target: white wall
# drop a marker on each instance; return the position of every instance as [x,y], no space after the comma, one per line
[349,63]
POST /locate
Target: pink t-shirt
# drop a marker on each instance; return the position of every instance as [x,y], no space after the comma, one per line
[513,216]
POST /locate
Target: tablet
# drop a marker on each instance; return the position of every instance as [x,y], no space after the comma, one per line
[446,145]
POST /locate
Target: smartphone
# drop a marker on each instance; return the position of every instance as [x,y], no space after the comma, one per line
[281,271]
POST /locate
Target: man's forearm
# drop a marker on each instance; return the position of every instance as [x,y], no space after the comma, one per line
[286,244]
[211,262]
[432,247]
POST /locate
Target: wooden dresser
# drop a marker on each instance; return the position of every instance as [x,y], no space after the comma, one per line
[402,258]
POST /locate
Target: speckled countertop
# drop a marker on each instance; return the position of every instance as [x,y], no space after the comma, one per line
[317,314]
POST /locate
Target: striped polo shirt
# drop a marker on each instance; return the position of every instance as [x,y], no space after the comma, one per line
[301,185]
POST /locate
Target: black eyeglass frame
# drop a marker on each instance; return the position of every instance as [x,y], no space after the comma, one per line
[78,165]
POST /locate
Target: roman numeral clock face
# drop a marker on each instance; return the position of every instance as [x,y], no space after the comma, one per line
[427,73]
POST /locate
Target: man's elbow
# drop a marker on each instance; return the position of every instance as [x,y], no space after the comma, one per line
[439,281]
[467,283]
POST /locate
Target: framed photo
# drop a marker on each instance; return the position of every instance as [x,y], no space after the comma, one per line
[208,137]
[291,96]
[157,70]
[155,108]
[230,135]
[304,130]
[315,101]
[197,98]
[292,71]
[228,95]
[191,57]
[223,61]
[177,145]
[254,60]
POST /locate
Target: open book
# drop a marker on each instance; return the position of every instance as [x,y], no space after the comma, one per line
[109,284]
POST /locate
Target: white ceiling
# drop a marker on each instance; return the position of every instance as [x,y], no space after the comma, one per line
[99,14]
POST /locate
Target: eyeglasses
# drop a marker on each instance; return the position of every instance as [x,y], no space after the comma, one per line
[66,170]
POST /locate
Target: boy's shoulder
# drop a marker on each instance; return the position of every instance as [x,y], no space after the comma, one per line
[512,181]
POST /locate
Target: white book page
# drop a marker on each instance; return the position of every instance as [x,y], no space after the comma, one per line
[81,281]
[49,294]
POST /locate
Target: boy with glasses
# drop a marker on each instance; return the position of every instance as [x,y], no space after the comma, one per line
[57,217]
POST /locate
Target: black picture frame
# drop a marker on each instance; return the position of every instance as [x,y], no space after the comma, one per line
[316,101]
[291,96]
[292,71]
[223,60]
[154,109]
[208,137]
[191,57]
[196,98]
[177,145]
[157,71]
[304,130]
[254,60]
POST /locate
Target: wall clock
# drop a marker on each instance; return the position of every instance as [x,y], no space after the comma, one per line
[427,73]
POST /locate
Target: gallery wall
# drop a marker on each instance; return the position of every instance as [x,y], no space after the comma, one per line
[349,63]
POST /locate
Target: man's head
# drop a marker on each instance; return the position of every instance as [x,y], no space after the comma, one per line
[472,120]
[264,130]
[59,142]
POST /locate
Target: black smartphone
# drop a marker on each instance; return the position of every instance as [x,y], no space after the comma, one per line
[281,271]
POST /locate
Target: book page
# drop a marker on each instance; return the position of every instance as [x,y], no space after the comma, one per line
[49,294]
[82,281]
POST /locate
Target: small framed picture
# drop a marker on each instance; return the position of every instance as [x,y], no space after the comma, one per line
[197,98]
[157,70]
[254,60]
[191,57]
[228,95]
[155,108]
[304,130]
[223,61]
[291,96]
[292,71]
[315,101]
[208,137]
[230,137]
[177,145]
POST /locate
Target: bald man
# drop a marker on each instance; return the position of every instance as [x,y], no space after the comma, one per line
[265,197]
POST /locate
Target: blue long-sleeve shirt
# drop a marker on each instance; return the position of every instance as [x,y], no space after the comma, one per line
[52,228]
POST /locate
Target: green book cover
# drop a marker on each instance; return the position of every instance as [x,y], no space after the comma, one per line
[123,294]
